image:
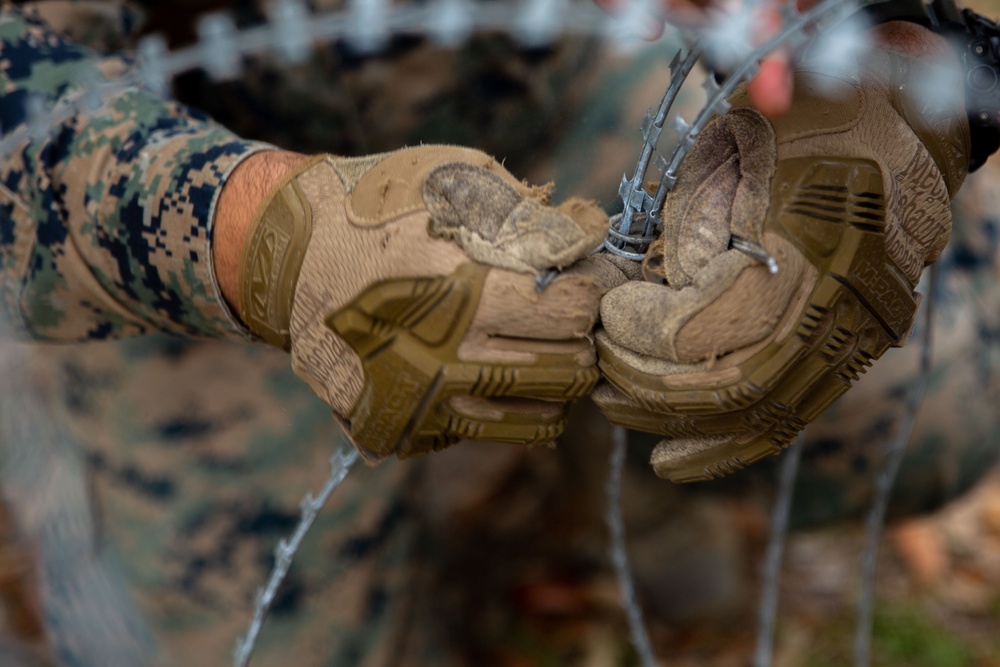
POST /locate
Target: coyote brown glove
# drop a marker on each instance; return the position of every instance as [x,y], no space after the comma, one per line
[850,194]
[404,286]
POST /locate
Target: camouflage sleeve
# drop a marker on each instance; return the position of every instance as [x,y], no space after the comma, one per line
[105,217]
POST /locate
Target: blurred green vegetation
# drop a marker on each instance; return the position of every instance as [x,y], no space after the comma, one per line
[905,634]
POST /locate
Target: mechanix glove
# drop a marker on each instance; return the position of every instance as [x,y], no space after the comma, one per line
[404,285]
[849,193]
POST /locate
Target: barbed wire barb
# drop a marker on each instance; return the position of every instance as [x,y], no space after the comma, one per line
[452,22]
[290,21]
[632,191]
[370,25]
[541,21]
[217,35]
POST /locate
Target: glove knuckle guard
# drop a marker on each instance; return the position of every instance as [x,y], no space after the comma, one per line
[407,334]
[833,212]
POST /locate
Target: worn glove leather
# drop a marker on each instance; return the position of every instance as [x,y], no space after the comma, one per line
[850,193]
[404,286]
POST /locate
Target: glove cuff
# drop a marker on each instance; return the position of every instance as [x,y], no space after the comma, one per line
[272,258]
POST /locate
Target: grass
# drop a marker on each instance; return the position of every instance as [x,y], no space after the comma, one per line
[904,634]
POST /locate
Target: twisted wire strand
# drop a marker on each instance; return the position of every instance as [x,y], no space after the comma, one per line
[616,549]
[632,191]
[340,465]
[893,457]
[635,199]
[639,206]
[767,613]
[793,28]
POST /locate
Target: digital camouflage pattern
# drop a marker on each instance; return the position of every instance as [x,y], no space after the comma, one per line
[195,453]
[108,217]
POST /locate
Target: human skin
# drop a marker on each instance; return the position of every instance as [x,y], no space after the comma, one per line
[247,189]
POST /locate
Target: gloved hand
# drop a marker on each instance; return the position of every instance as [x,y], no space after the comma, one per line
[850,194]
[404,286]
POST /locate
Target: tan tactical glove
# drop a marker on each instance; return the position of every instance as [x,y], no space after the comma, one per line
[404,286]
[850,194]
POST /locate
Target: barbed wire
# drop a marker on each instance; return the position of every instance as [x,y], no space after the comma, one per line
[641,207]
[767,610]
[292,32]
[638,204]
[340,465]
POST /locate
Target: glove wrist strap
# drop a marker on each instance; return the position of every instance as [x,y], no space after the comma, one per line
[272,258]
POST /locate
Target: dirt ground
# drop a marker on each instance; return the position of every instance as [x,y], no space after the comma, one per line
[937,601]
